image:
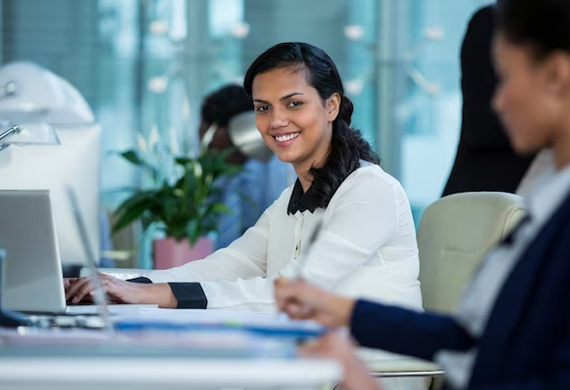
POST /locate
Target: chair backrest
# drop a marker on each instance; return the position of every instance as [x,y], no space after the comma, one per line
[454,235]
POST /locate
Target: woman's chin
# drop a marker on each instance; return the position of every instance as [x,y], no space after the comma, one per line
[285,157]
[525,148]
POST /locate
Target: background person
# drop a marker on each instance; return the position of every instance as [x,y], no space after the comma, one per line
[219,108]
[485,160]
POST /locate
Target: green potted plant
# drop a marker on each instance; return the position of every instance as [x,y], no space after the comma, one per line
[184,200]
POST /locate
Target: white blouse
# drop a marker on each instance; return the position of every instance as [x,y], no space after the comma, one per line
[366,248]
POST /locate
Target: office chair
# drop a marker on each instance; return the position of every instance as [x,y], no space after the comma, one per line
[454,235]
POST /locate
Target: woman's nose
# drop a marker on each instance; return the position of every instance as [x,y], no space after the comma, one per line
[278,119]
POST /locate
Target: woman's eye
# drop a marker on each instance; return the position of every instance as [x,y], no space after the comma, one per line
[262,108]
[295,104]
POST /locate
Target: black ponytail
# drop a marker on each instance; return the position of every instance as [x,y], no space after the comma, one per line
[544,25]
[348,147]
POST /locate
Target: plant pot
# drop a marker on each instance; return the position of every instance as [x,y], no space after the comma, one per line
[168,253]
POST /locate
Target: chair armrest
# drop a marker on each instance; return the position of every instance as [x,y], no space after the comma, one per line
[408,367]
[384,364]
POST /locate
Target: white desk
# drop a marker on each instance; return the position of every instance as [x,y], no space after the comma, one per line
[165,373]
[96,360]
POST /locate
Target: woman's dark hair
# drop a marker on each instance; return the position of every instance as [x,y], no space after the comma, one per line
[544,25]
[348,146]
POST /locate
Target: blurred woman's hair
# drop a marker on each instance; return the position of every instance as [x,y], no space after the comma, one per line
[543,25]
[348,146]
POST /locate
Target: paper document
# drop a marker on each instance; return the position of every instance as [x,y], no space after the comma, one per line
[267,324]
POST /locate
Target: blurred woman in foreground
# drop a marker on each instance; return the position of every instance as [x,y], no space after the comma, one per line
[512,328]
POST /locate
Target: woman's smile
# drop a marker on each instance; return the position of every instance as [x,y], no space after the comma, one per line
[286,139]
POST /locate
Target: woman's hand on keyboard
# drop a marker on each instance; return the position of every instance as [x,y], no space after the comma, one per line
[78,290]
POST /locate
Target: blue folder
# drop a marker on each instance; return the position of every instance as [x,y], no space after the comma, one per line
[290,329]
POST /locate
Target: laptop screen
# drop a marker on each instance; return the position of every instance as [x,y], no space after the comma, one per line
[32,280]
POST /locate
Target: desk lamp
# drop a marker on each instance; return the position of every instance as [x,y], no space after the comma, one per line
[32,98]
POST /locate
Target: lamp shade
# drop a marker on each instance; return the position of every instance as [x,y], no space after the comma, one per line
[31,93]
[33,133]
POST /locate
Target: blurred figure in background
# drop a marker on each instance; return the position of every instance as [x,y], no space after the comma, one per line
[485,160]
[259,185]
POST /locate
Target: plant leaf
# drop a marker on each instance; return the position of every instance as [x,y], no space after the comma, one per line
[133,157]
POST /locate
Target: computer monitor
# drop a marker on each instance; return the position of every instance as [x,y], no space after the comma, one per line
[74,164]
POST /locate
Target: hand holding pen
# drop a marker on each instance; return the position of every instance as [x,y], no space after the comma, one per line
[302,300]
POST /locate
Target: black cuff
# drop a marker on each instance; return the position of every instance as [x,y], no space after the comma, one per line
[140,279]
[189,295]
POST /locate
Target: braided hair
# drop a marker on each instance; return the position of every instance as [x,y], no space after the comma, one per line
[348,146]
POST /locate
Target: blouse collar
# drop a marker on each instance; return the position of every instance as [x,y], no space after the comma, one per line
[301,201]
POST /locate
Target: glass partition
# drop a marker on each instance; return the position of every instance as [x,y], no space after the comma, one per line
[145,65]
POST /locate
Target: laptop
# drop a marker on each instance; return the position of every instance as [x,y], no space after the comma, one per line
[32,280]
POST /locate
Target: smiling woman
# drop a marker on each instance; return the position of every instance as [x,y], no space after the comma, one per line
[366,243]
[294,121]
[304,116]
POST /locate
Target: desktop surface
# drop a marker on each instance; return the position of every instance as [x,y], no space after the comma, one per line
[94,359]
[172,373]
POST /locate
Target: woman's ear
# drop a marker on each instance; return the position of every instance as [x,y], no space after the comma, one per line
[557,72]
[333,106]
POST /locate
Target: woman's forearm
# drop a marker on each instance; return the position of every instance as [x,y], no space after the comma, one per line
[161,294]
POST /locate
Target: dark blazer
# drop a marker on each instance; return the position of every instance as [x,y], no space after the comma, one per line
[485,160]
[526,342]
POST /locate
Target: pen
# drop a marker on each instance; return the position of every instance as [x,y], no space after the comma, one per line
[304,259]
[302,262]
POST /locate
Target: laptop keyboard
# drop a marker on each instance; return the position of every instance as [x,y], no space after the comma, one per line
[67,321]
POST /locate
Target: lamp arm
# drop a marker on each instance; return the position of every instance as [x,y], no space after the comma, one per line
[12,130]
